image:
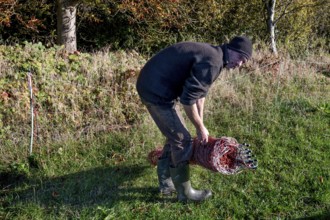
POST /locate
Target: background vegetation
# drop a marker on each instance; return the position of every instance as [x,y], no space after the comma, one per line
[92,134]
[149,25]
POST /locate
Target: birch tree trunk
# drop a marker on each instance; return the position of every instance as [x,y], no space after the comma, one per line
[270,6]
[66,24]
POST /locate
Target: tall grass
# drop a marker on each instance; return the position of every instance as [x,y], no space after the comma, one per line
[279,106]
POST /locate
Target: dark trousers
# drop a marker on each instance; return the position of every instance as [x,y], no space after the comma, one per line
[171,123]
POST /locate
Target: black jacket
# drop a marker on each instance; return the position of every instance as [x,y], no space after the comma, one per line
[184,70]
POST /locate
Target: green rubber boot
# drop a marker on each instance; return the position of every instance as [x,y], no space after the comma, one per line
[180,177]
[166,186]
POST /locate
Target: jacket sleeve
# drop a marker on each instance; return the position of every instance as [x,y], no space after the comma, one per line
[196,86]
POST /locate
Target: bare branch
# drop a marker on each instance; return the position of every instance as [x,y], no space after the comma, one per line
[285,7]
[296,9]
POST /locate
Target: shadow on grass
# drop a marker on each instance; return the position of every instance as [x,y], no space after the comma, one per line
[325,216]
[102,186]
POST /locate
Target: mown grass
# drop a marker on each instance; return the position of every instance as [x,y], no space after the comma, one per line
[282,111]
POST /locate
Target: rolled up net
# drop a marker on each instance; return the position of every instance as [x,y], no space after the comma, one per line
[224,155]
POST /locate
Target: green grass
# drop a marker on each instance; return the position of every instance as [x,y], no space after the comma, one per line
[109,178]
[284,116]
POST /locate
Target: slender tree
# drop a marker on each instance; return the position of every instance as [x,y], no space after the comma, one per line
[270,7]
[283,9]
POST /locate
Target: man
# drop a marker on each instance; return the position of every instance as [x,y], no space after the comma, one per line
[184,72]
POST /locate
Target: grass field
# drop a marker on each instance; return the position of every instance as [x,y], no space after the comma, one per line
[283,112]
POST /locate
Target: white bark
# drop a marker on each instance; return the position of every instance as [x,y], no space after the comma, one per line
[270,5]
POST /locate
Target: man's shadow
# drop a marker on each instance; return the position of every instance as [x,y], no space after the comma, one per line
[101,186]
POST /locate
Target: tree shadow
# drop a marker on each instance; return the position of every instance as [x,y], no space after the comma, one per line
[324,216]
[101,186]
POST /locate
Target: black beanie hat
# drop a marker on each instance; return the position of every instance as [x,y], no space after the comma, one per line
[242,45]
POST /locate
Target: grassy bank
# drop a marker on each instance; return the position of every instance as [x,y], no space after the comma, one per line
[279,106]
[74,95]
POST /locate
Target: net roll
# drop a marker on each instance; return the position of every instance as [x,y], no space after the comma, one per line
[224,155]
[218,155]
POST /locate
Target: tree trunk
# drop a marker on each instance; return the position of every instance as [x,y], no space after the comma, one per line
[66,24]
[270,6]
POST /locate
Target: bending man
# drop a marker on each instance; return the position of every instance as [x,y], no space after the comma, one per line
[184,73]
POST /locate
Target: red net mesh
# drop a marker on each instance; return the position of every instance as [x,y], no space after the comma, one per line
[218,155]
[154,155]
[224,155]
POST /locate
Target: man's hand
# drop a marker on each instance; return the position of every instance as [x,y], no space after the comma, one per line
[195,114]
[202,135]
